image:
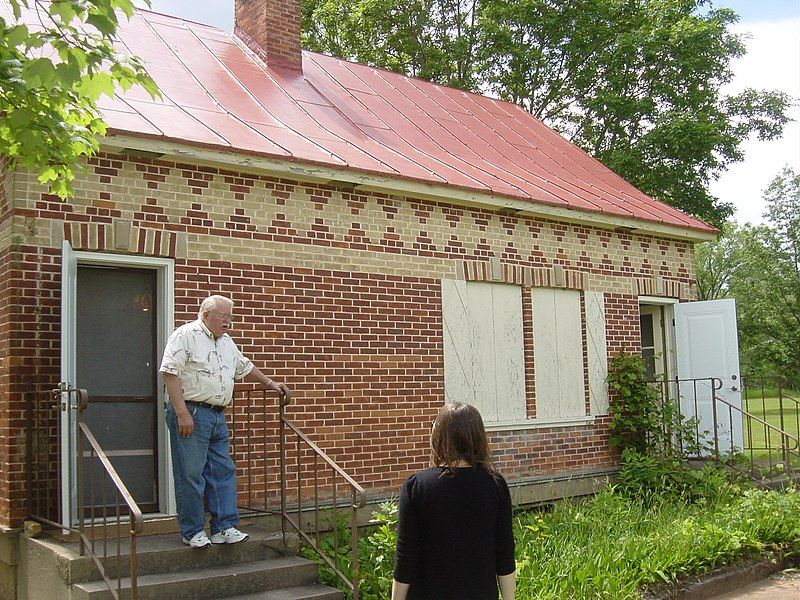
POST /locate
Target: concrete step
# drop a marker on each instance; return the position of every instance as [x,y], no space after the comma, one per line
[165,553]
[211,583]
[305,592]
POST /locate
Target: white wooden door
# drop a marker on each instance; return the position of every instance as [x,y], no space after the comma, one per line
[69,414]
[708,346]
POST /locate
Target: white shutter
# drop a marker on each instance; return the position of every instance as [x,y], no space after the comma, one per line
[596,351]
[481,309]
[558,354]
[509,353]
[459,356]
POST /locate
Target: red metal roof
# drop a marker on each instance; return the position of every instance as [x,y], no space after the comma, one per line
[218,94]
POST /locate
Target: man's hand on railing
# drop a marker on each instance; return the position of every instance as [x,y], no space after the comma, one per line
[283,392]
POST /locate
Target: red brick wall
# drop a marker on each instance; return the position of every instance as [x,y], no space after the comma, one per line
[362,352]
[622,324]
[29,368]
[553,450]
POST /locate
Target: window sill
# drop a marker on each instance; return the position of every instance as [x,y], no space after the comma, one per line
[538,424]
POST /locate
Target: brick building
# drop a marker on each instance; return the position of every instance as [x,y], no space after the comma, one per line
[390,245]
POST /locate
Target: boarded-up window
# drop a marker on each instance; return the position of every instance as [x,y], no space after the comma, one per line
[484,359]
[558,354]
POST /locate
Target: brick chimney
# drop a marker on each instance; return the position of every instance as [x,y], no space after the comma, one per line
[271,29]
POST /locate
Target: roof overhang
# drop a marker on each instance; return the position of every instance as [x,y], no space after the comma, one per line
[171,150]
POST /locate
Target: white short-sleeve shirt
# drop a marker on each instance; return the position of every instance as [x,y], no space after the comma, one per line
[207,367]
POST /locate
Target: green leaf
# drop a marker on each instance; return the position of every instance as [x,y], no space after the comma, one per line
[39,72]
[16,35]
[92,87]
[63,9]
[102,23]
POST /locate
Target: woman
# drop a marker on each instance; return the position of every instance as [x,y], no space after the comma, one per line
[454,539]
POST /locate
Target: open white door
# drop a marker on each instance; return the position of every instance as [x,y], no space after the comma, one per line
[69,415]
[707,346]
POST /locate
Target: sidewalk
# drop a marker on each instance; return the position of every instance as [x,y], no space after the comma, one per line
[780,586]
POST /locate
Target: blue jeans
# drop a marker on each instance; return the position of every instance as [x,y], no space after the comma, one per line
[203,470]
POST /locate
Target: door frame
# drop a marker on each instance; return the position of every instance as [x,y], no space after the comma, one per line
[670,360]
[165,323]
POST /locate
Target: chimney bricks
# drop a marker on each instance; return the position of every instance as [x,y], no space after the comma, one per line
[271,29]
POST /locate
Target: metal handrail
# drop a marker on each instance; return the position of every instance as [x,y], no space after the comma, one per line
[88,541]
[252,441]
[357,493]
[136,519]
[789,444]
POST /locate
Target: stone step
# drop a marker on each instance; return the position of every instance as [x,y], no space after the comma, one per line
[166,553]
[211,583]
[305,592]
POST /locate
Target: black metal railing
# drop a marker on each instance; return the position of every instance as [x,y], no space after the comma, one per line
[758,439]
[314,495]
[105,511]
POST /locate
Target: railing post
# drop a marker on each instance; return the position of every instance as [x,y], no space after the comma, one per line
[134,566]
[282,459]
[354,542]
[784,441]
[714,417]
[79,474]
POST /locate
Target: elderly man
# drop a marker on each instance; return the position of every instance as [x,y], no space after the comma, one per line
[200,365]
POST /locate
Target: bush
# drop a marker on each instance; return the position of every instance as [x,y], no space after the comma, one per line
[613,545]
[667,476]
[635,421]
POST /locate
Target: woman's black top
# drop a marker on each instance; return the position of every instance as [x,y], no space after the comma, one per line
[454,534]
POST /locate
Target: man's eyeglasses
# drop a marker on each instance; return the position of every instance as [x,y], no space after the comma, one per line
[223,316]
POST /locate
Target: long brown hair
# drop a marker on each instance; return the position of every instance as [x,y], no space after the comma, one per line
[458,435]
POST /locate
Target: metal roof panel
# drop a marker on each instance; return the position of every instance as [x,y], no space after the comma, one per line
[349,116]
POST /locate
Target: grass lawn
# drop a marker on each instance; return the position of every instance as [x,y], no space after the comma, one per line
[760,438]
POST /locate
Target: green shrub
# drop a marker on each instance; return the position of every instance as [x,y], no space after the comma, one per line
[634,404]
[667,476]
[614,545]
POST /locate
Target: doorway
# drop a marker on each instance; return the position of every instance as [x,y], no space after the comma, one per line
[116,363]
[654,338]
[117,312]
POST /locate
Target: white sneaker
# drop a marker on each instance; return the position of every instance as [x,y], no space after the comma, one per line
[199,540]
[230,536]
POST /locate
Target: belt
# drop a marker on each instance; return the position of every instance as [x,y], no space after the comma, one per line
[212,407]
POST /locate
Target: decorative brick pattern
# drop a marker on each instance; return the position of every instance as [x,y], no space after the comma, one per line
[5,191]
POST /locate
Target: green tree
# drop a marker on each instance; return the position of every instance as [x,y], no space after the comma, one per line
[636,83]
[56,60]
[430,39]
[716,262]
[759,266]
[766,284]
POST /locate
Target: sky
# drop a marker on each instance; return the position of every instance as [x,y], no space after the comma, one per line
[772,62]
